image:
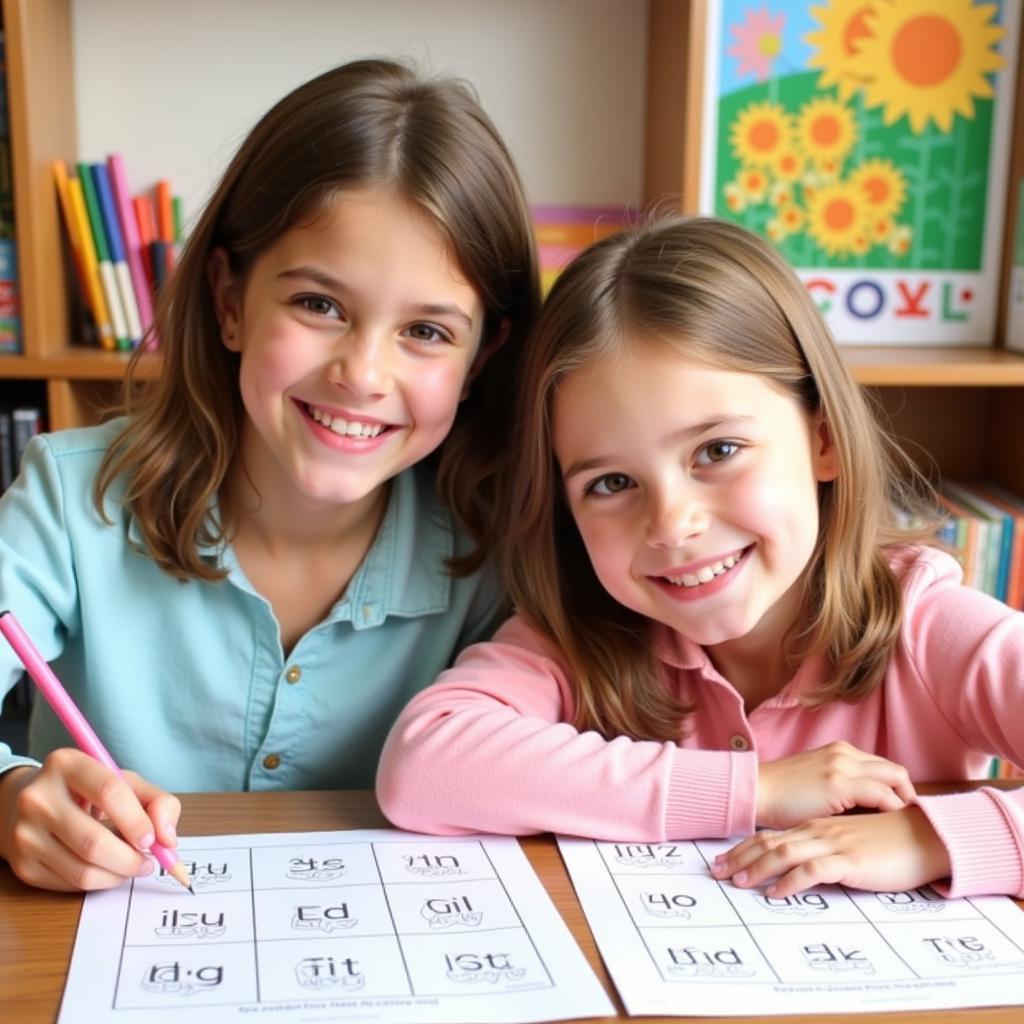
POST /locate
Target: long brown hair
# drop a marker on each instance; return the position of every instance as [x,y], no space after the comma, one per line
[721,296]
[369,122]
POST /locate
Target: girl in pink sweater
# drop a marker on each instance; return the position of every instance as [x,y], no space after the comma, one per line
[721,623]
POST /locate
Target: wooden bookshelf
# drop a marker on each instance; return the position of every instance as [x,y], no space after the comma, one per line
[960,410]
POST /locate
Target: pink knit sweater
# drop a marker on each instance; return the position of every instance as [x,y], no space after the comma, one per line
[489,747]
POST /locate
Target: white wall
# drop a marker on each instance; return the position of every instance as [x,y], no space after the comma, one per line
[175,84]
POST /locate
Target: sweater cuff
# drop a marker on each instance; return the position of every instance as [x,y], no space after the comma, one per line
[984,850]
[712,794]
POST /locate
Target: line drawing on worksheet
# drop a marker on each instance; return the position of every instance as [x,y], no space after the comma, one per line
[373,924]
[677,940]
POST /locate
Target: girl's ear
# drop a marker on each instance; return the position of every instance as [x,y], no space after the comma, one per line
[487,349]
[823,452]
[227,298]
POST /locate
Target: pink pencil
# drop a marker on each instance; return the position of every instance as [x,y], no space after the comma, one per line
[74,721]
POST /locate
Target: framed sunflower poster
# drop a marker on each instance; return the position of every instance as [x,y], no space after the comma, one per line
[869,141]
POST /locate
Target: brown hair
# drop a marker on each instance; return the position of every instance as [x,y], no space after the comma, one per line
[369,122]
[722,296]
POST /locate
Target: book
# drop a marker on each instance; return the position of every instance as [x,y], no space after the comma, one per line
[26,422]
[99,238]
[125,288]
[1013,506]
[130,236]
[10,308]
[96,294]
[145,221]
[563,232]
[999,539]
[965,544]
[6,451]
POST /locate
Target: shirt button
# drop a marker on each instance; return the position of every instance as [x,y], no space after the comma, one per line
[739,742]
[271,761]
[294,674]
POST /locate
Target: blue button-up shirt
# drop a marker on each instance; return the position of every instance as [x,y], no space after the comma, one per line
[187,683]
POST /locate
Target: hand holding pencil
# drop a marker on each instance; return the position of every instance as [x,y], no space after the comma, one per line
[48,831]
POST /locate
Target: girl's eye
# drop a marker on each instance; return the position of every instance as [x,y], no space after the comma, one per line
[429,333]
[609,484]
[716,451]
[319,305]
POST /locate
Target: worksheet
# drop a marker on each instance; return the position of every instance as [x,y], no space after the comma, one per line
[368,925]
[677,941]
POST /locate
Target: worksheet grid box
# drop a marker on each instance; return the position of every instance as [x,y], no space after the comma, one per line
[385,919]
[696,928]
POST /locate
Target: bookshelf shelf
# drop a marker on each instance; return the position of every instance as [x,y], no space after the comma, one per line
[77,363]
[933,366]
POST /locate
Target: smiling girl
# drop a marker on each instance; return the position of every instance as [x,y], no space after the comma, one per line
[243,581]
[721,623]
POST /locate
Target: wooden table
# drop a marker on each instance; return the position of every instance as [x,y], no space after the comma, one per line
[37,928]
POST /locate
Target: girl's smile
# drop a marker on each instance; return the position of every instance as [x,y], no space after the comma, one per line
[703,578]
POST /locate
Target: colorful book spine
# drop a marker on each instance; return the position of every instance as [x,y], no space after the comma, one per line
[10,304]
[118,259]
[96,293]
[60,177]
[130,235]
[107,276]
[145,220]
[563,232]
[1013,507]
[998,534]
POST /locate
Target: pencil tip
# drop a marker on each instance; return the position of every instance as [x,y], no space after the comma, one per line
[191,890]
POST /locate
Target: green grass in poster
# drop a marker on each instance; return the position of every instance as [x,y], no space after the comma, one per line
[930,187]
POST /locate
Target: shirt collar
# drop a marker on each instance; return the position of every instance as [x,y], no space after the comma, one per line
[404,572]
[677,651]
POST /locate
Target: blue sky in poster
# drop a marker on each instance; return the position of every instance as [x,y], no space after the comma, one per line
[795,52]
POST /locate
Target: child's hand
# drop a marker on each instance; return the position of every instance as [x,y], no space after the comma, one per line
[50,832]
[828,780]
[891,852]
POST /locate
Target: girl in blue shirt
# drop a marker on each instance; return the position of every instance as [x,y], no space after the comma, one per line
[243,580]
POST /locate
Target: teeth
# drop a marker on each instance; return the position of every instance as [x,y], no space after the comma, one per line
[705,574]
[344,428]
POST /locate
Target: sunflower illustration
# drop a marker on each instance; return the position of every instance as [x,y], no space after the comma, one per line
[843,26]
[927,59]
[735,200]
[760,133]
[754,183]
[826,131]
[880,227]
[788,165]
[791,218]
[900,240]
[836,218]
[883,185]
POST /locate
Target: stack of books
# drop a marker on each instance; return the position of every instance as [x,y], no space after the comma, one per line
[10,309]
[563,232]
[17,427]
[984,528]
[123,248]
